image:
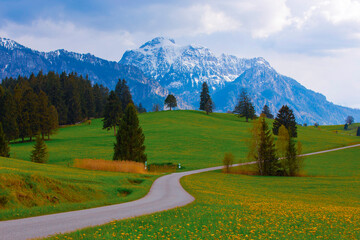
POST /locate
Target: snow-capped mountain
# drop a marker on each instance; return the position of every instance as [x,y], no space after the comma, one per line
[183,69]
[161,66]
[16,60]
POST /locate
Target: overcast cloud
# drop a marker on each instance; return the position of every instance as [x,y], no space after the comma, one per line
[317,42]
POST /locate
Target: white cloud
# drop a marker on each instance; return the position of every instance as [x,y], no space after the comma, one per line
[341,11]
[47,35]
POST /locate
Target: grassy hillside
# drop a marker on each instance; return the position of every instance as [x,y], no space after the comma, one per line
[228,206]
[192,138]
[351,131]
[29,189]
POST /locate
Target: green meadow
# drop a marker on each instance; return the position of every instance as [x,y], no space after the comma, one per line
[339,129]
[30,189]
[325,205]
[192,138]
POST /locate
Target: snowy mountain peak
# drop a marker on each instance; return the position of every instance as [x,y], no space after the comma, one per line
[9,44]
[158,42]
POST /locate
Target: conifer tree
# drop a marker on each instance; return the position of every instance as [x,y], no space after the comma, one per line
[53,125]
[4,146]
[358,132]
[170,101]
[285,117]
[204,96]
[44,114]
[40,153]
[130,138]
[113,112]
[262,148]
[8,114]
[245,108]
[267,112]
[209,106]
[123,93]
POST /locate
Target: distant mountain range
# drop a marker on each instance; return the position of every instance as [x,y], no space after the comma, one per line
[160,67]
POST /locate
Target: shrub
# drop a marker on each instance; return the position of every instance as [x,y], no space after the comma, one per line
[110,166]
[228,162]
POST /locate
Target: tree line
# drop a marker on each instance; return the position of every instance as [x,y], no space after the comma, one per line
[39,103]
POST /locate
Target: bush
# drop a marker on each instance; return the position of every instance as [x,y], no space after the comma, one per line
[110,166]
[162,167]
[228,162]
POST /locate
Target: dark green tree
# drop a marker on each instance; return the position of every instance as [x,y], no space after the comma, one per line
[53,125]
[349,120]
[130,138]
[4,146]
[358,132]
[245,108]
[113,112]
[8,114]
[123,93]
[204,96]
[346,126]
[285,117]
[267,112]
[140,108]
[44,113]
[170,101]
[262,148]
[209,106]
[40,153]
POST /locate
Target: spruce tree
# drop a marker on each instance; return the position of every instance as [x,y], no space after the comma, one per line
[40,153]
[44,114]
[262,148]
[209,106]
[4,146]
[53,125]
[123,93]
[245,108]
[130,138]
[267,112]
[358,132]
[204,96]
[285,117]
[8,114]
[113,112]
[170,101]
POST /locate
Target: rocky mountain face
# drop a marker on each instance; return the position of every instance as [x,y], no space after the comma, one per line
[183,69]
[161,66]
[16,60]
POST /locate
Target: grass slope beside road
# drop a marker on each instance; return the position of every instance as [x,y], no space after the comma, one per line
[31,189]
[228,206]
[192,138]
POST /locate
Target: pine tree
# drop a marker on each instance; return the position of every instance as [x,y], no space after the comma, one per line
[4,146]
[53,125]
[123,93]
[40,153]
[8,114]
[204,96]
[44,114]
[267,112]
[130,138]
[285,117]
[209,105]
[358,132]
[113,112]
[170,101]
[140,108]
[245,108]
[262,148]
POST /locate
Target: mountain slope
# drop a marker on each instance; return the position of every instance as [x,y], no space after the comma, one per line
[16,60]
[182,70]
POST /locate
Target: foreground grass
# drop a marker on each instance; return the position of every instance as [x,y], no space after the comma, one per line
[228,206]
[192,138]
[30,189]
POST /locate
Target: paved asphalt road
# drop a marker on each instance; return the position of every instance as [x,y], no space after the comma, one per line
[165,193]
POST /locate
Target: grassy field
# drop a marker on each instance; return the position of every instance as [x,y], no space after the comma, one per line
[192,138]
[29,189]
[228,206]
[352,129]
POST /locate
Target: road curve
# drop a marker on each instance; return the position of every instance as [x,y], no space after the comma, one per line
[165,193]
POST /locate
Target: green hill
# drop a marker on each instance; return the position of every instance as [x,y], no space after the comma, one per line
[192,138]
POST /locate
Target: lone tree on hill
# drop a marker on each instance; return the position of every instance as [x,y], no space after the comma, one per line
[170,101]
[40,153]
[130,138]
[267,112]
[4,146]
[262,148]
[123,93]
[112,114]
[205,98]
[349,120]
[245,108]
[285,117]
[209,106]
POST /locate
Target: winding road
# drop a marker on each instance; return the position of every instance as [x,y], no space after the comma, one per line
[165,193]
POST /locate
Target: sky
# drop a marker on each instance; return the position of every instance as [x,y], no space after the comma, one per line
[316,42]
